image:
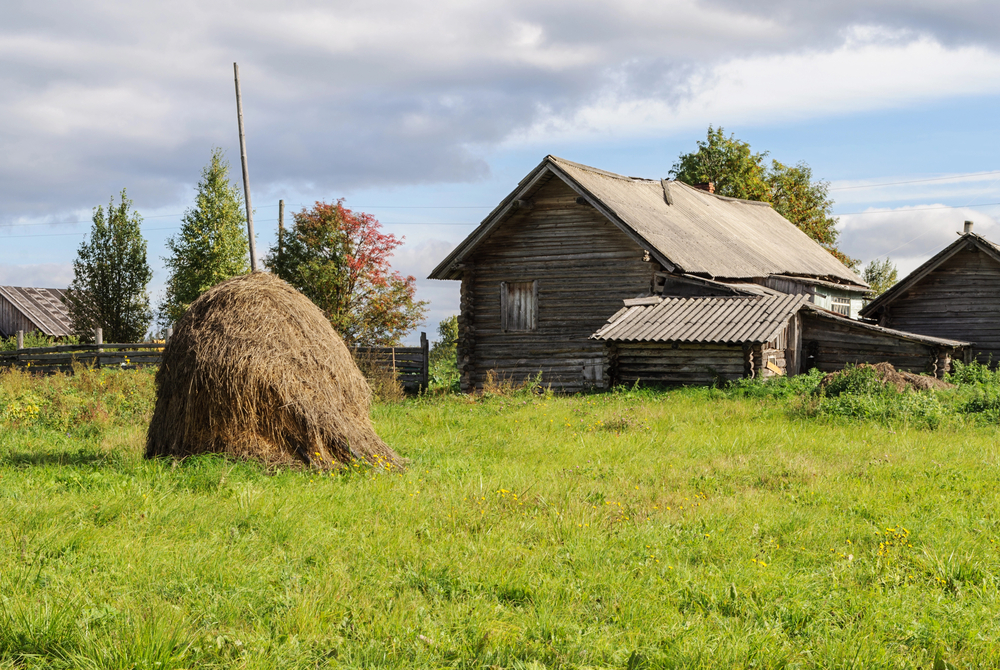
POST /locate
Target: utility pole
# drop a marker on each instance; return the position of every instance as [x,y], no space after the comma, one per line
[246,174]
[281,228]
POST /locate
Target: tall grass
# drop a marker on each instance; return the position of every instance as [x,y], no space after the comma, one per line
[630,529]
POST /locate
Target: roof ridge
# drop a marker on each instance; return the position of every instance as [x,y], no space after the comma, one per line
[557,160]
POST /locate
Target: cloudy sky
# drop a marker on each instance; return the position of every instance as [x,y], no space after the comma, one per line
[427,114]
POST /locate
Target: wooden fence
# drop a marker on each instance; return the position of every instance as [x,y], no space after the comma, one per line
[62,357]
[410,363]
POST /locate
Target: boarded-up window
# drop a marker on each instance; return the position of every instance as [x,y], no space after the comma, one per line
[518,306]
[841,306]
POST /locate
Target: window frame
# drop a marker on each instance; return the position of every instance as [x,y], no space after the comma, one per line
[507,327]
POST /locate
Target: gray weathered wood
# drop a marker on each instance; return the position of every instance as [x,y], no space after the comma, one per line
[281,229]
[20,339]
[246,173]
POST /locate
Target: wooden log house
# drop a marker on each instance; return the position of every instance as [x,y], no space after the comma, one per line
[549,266]
[955,294]
[33,309]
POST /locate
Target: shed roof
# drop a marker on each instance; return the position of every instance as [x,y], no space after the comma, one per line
[731,320]
[900,288]
[686,229]
[44,307]
[728,320]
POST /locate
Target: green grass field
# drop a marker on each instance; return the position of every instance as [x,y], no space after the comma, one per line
[680,529]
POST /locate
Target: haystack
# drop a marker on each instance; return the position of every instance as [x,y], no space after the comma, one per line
[254,370]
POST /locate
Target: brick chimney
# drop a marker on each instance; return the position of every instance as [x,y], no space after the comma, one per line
[968,227]
[706,186]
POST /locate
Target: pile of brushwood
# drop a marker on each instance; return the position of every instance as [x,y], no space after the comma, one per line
[971,392]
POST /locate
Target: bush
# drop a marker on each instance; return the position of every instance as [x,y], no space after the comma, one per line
[443,364]
[775,387]
[887,406]
[974,373]
[984,403]
[858,380]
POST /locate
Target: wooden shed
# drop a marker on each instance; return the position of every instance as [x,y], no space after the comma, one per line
[554,260]
[704,340]
[955,294]
[34,309]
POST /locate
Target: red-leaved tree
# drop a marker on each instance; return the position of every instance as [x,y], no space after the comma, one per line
[340,260]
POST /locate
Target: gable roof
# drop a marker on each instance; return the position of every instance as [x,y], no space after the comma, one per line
[43,307]
[965,241]
[686,229]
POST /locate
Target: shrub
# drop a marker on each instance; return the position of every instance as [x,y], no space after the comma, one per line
[775,387]
[857,380]
[972,374]
[888,406]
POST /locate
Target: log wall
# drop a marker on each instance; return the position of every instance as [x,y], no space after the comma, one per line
[960,299]
[584,267]
[831,345]
[656,363]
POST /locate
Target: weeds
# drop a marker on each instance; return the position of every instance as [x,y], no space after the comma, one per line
[383,380]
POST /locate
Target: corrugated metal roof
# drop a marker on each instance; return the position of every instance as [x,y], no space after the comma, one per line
[699,233]
[733,320]
[42,306]
[708,234]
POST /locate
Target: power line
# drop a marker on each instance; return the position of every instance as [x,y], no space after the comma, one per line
[918,181]
[81,232]
[918,209]
[84,232]
[170,216]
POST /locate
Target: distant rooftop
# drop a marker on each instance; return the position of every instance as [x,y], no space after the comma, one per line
[42,307]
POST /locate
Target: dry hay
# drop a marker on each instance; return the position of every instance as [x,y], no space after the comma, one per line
[254,370]
[900,379]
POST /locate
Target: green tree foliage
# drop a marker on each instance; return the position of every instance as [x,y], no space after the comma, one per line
[729,164]
[212,244]
[340,260]
[880,275]
[738,172]
[446,347]
[110,276]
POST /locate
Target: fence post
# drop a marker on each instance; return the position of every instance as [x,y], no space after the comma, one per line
[170,333]
[20,339]
[99,340]
[425,371]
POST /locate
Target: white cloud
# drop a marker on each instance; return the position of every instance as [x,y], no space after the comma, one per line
[909,235]
[43,275]
[860,75]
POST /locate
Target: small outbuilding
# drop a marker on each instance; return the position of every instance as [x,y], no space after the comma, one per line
[34,310]
[714,339]
[955,294]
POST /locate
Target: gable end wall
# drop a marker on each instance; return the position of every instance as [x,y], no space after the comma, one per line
[584,267]
[960,299]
